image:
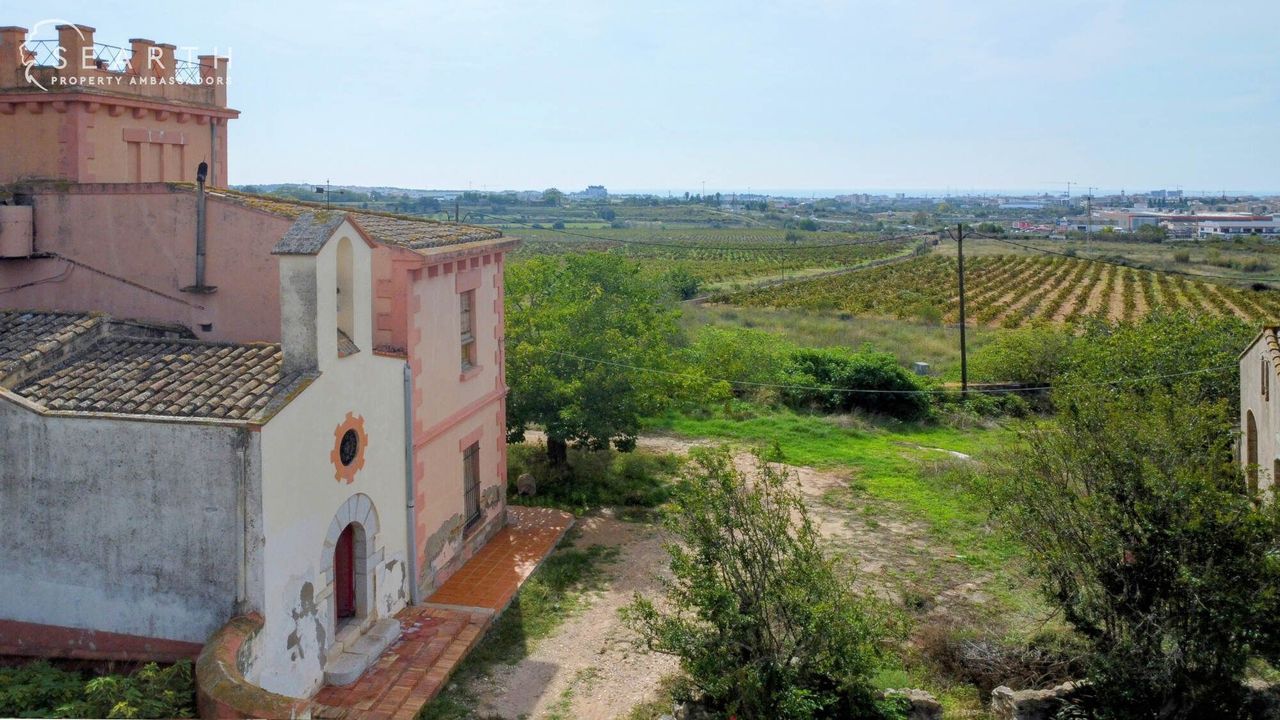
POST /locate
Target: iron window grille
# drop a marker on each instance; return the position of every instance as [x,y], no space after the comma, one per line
[471,484]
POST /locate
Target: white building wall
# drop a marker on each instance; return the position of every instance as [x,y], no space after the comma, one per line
[103,530]
[1264,408]
[304,504]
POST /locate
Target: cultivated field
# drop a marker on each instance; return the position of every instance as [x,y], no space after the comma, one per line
[1011,291]
[715,254]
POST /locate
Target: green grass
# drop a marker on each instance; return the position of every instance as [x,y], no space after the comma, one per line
[909,342]
[886,460]
[555,592]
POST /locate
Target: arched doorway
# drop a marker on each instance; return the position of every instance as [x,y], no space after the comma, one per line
[349,557]
[344,574]
[1251,451]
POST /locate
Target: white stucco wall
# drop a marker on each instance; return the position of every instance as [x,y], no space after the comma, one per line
[103,529]
[303,505]
[1265,412]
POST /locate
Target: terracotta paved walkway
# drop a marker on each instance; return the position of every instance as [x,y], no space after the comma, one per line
[438,634]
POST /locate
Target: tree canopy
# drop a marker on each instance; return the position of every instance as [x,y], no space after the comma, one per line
[590,343]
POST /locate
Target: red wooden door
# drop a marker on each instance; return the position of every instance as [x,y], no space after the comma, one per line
[344,576]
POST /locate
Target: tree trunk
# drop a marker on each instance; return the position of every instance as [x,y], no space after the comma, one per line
[558,453]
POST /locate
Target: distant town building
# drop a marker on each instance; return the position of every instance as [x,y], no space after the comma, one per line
[594,192]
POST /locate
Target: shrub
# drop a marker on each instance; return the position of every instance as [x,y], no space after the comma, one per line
[1135,519]
[821,379]
[1182,256]
[683,284]
[1031,355]
[41,690]
[1195,355]
[758,616]
[750,356]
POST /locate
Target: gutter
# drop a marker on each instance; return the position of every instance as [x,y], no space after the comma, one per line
[411,521]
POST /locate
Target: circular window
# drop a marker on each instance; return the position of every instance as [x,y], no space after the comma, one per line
[350,443]
[349,447]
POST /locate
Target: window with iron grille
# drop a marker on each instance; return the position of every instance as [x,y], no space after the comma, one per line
[471,483]
[468,302]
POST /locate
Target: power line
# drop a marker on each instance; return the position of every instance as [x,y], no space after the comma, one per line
[770,248]
[126,281]
[781,386]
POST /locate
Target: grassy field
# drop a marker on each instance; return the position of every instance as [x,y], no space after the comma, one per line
[1013,290]
[908,341]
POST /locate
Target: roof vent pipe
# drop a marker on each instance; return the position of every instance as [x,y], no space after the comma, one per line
[202,173]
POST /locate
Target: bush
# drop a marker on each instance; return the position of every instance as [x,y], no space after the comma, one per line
[750,356]
[683,284]
[821,376]
[1135,519]
[41,690]
[1182,256]
[1031,355]
[1195,355]
[758,616]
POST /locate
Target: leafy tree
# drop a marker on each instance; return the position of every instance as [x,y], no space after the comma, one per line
[552,197]
[1151,233]
[1193,354]
[682,283]
[751,356]
[578,327]
[607,214]
[794,237]
[1136,521]
[762,622]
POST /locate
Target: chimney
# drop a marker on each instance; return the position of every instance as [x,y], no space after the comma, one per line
[11,39]
[139,62]
[213,73]
[76,42]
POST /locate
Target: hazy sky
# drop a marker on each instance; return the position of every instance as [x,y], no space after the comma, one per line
[967,94]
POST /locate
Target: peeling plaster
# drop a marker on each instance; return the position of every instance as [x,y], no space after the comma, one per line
[306,612]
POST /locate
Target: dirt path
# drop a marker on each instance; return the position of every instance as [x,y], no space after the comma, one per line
[589,668]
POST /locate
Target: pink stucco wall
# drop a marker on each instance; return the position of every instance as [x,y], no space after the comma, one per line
[145,234]
[454,409]
[140,241]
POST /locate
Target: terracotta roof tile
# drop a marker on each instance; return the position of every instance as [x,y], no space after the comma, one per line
[408,231]
[117,373]
[27,337]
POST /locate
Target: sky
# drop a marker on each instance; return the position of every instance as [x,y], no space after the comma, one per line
[972,95]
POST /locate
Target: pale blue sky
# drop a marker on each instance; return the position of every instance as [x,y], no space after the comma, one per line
[658,94]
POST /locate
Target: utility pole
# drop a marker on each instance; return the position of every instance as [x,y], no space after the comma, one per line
[1088,220]
[964,357]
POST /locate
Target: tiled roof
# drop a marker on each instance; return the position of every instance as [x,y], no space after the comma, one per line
[129,375]
[26,337]
[308,234]
[419,235]
[346,346]
[408,231]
